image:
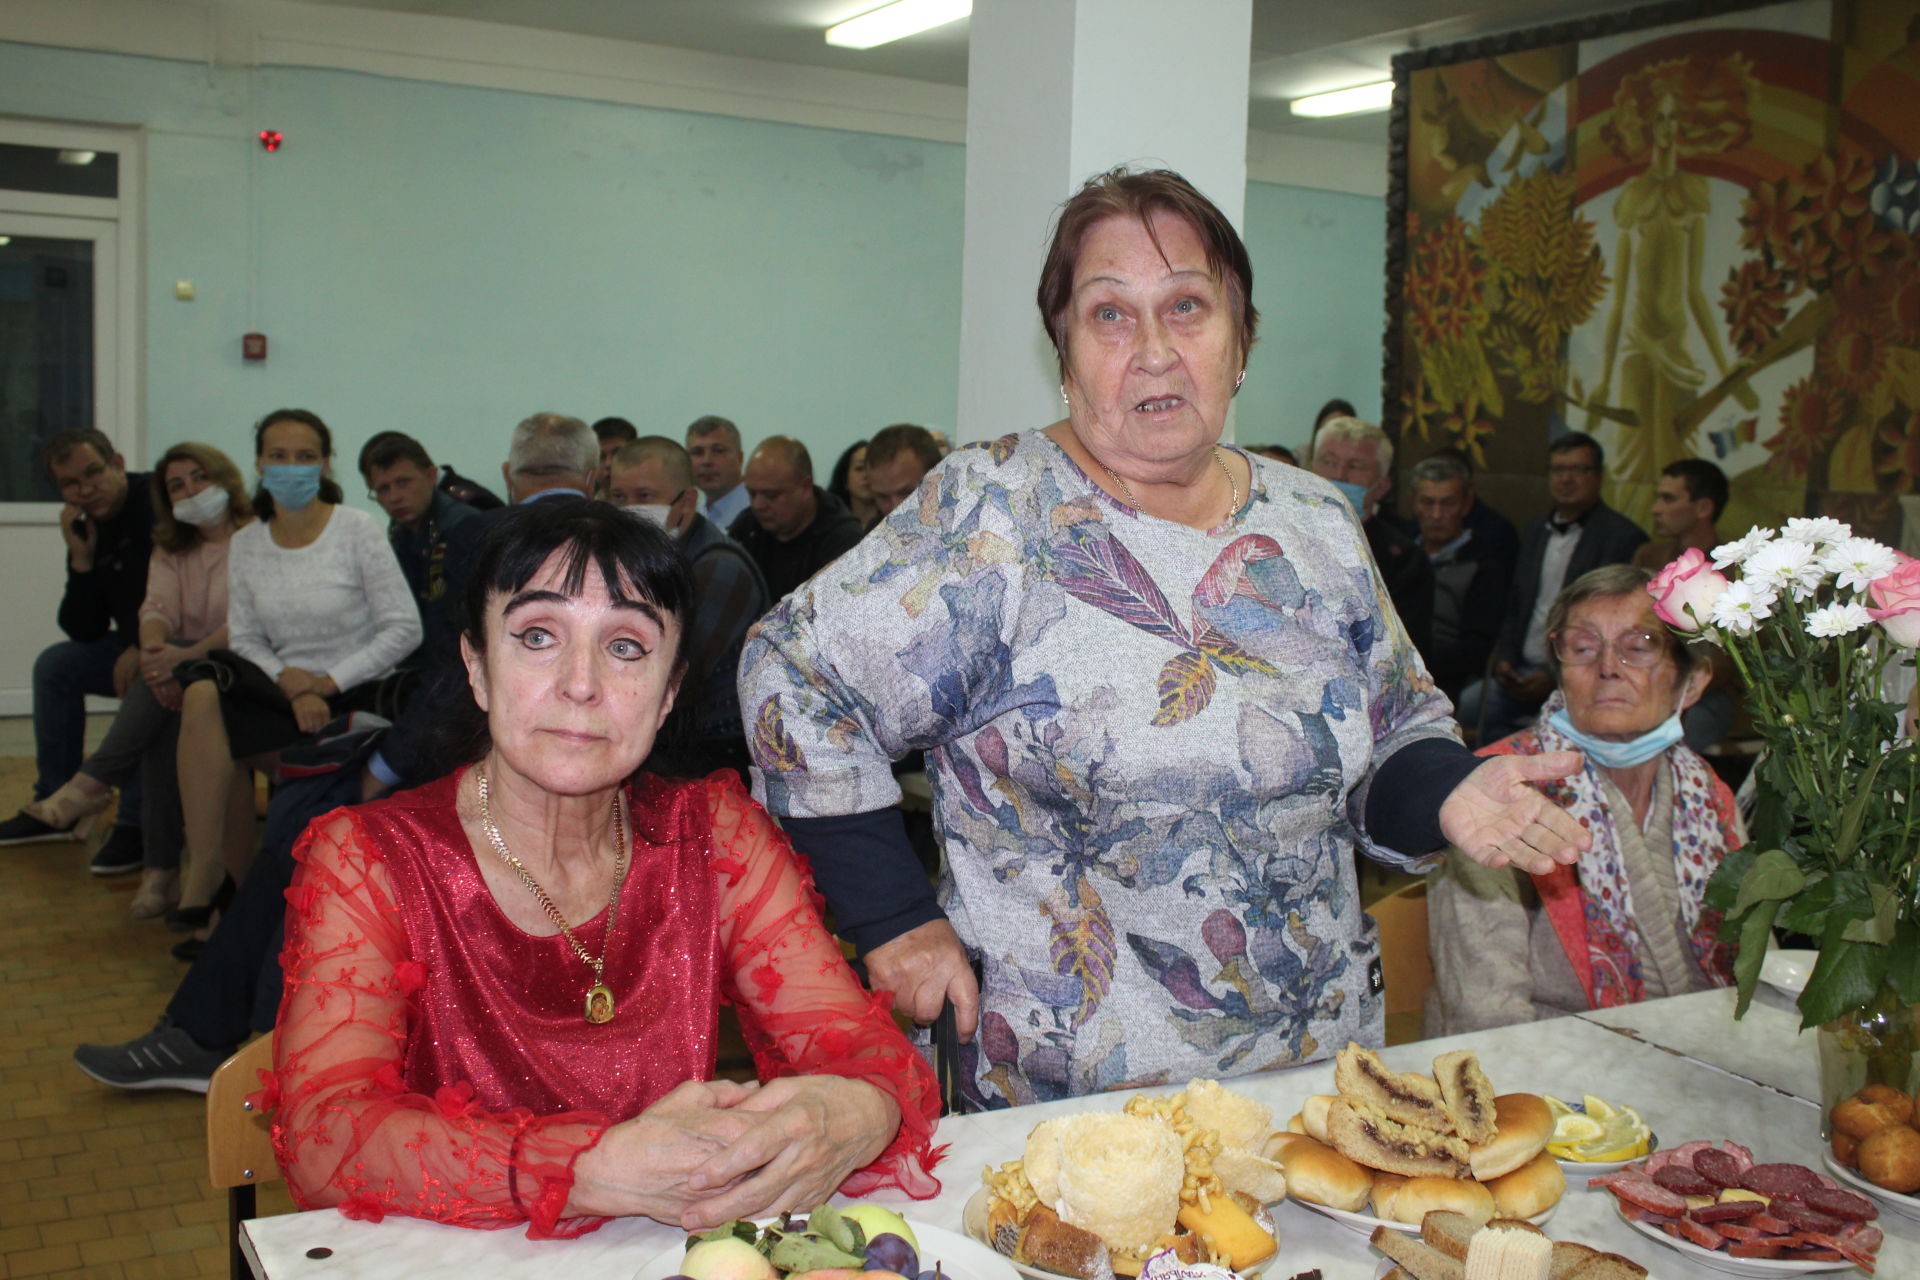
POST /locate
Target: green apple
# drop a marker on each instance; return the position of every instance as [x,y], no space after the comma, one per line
[730,1258]
[878,1220]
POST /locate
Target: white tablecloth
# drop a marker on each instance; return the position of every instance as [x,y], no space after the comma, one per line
[1687,1067]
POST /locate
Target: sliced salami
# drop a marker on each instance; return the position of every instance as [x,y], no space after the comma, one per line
[1727,1211]
[1681,1180]
[1699,1233]
[1818,1255]
[1682,1156]
[1780,1180]
[1768,1223]
[1742,1158]
[1718,1167]
[1842,1204]
[1741,1231]
[1755,1249]
[1645,1194]
[1801,1218]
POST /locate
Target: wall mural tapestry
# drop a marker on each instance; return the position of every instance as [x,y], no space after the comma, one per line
[1691,231]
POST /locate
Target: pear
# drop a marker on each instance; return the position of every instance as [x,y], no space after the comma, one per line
[877,1220]
[729,1258]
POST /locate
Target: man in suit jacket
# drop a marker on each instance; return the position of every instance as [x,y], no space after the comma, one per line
[1580,534]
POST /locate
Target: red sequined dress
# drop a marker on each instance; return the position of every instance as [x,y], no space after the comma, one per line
[432,1058]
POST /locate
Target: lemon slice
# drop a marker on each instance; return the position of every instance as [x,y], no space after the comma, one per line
[1574,1128]
[1555,1107]
[1598,1108]
[1622,1136]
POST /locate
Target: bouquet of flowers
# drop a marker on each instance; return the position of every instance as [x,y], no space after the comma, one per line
[1812,620]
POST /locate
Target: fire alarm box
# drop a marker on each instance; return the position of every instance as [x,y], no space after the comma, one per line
[253,346]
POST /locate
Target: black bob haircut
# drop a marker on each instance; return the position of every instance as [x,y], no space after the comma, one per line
[638,561]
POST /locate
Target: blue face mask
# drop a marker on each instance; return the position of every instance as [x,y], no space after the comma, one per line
[1620,755]
[1355,494]
[291,486]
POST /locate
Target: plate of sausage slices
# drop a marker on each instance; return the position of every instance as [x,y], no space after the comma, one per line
[1723,1209]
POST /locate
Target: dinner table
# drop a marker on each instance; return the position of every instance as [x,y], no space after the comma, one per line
[1682,1062]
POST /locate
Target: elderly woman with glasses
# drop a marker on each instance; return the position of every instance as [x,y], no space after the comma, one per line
[1628,920]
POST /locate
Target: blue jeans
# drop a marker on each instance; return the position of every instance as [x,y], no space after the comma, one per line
[63,675]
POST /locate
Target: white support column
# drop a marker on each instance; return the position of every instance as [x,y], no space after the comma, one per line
[1059,90]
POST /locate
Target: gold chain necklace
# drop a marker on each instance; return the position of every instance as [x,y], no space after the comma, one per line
[599,995]
[1232,484]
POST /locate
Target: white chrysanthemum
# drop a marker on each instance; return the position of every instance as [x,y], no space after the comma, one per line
[1740,608]
[1816,530]
[1729,554]
[1838,619]
[1858,561]
[1786,566]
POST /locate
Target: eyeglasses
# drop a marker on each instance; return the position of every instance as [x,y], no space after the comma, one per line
[1578,647]
[1571,469]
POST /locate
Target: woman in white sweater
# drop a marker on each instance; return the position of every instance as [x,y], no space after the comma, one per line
[318,617]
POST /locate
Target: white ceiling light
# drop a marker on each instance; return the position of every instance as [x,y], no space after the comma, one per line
[896,21]
[4,240]
[76,157]
[1377,96]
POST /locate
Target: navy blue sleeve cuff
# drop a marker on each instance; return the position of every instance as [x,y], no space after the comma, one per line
[1409,786]
[866,869]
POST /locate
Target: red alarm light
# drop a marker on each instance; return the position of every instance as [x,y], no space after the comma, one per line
[271,139]
[253,346]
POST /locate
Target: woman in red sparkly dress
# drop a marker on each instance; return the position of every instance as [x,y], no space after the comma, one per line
[501,988]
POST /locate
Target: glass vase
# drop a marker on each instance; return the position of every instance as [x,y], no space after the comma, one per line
[1877,1044]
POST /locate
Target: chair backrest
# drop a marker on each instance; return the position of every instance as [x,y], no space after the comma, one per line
[239,1143]
[1404,963]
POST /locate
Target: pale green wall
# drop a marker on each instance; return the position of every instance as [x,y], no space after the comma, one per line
[444,260]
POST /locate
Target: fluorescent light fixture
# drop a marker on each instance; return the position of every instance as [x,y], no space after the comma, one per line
[5,240]
[896,21]
[1377,96]
[76,157]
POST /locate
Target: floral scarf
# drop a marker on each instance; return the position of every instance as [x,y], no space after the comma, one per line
[1589,903]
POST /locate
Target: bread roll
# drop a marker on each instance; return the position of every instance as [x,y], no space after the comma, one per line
[1468,1093]
[1533,1188]
[1891,1098]
[1385,1187]
[1406,1097]
[1856,1117]
[1525,1126]
[1324,1176]
[1890,1158]
[1313,1116]
[1053,1245]
[1419,1196]
[1381,1143]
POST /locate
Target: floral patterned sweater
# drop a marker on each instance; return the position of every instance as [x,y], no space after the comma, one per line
[1150,750]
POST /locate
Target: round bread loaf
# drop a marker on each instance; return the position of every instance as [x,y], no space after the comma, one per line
[1525,1126]
[1319,1173]
[1385,1187]
[1313,1115]
[1890,1158]
[1533,1188]
[1419,1196]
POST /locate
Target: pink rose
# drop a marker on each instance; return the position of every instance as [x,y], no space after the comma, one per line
[1896,603]
[1684,592]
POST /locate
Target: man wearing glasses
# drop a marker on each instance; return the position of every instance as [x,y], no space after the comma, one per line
[1581,533]
[107,525]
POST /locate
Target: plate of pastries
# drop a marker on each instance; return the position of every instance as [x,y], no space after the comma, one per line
[1875,1146]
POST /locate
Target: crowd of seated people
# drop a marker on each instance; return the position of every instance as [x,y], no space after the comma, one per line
[279,630]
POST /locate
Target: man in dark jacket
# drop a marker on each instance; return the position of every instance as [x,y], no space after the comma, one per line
[1358,457]
[107,525]
[792,528]
[1580,534]
[1470,578]
[421,518]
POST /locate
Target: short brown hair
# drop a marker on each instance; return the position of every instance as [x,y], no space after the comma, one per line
[904,437]
[176,536]
[60,446]
[1123,193]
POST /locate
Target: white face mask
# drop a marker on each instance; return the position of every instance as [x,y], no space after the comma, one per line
[654,513]
[204,509]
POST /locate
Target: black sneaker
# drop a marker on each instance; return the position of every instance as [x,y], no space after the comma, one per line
[24,828]
[164,1058]
[120,853]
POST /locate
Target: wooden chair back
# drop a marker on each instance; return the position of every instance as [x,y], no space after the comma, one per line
[239,1142]
[1404,964]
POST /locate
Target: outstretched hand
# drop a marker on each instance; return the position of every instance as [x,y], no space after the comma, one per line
[1498,817]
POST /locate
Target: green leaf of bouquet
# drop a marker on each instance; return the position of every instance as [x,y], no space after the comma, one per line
[1750,951]
[1773,875]
[1723,887]
[1903,964]
[1846,841]
[1807,912]
[1878,927]
[1845,978]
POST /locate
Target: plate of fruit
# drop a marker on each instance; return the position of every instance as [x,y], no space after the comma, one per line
[1592,1136]
[858,1242]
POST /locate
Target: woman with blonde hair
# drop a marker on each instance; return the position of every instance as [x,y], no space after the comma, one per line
[199,499]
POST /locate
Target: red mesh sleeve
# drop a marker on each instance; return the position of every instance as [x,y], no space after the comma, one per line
[346,1131]
[802,1011]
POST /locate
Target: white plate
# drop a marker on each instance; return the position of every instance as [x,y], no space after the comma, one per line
[958,1256]
[1364,1223]
[1581,1170]
[973,1217]
[1722,1261]
[1787,971]
[1905,1206]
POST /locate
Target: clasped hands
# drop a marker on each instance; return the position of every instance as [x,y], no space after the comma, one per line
[714,1150]
[308,694]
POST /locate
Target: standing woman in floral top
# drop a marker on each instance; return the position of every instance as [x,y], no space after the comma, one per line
[1163,698]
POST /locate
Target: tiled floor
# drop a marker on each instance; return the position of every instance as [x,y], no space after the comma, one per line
[93,1181]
